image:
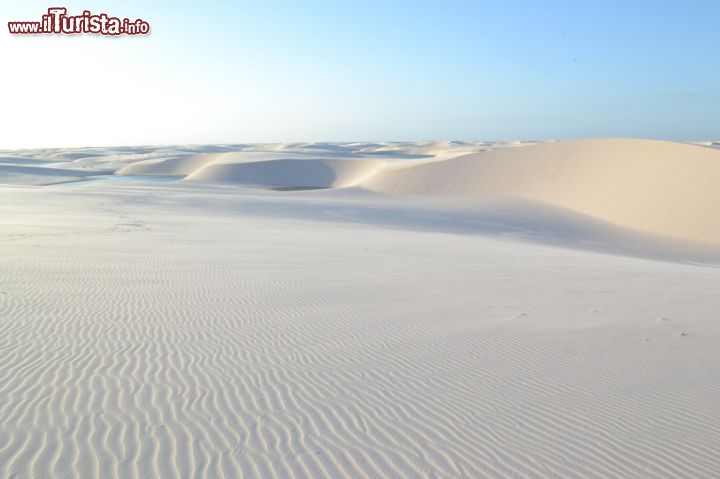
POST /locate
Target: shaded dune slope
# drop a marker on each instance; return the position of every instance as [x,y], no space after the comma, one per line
[318,173]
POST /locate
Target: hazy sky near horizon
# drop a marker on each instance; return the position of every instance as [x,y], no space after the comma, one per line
[281,70]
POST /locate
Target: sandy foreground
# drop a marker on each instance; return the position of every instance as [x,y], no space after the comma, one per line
[441,310]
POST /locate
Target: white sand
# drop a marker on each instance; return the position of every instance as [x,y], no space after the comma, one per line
[534,311]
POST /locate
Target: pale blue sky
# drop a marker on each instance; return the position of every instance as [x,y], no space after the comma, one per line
[216,71]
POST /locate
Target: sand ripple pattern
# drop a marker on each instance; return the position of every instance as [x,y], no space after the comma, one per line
[268,350]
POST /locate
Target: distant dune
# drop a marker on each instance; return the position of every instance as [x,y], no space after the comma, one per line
[22,173]
[173,166]
[313,173]
[658,187]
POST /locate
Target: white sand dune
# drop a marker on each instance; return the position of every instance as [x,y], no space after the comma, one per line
[173,166]
[444,318]
[663,188]
[24,174]
[18,160]
[325,165]
[319,173]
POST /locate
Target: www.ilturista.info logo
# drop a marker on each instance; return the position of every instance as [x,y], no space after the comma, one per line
[58,22]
